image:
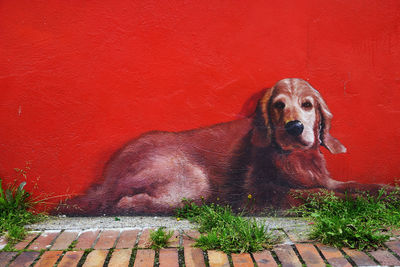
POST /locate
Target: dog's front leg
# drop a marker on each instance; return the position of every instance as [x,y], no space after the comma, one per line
[354,187]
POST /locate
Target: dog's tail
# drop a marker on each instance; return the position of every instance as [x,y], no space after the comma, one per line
[92,203]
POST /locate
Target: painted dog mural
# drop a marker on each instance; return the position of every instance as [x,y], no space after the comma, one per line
[267,155]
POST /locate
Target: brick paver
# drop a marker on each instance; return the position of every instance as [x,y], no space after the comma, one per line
[71,258]
[48,259]
[287,256]
[86,239]
[120,258]
[394,246]
[173,242]
[24,243]
[242,260]
[217,259]
[359,257]
[5,257]
[127,239]
[333,256]
[193,257]
[168,257]
[107,239]
[25,259]
[144,239]
[187,237]
[384,257]
[95,258]
[144,258]
[44,240]
[264,259]
[310,255]
[64,240]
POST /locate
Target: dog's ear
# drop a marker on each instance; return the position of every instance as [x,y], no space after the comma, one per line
[326,139]
[262,130]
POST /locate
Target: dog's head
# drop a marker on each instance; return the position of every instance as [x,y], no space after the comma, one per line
[294,116]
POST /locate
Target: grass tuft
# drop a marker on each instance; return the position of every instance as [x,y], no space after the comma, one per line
[357,221]
[159,238]
[17,208]
[223,230]
[15,204]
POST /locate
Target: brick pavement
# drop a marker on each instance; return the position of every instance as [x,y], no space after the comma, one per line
[127,247]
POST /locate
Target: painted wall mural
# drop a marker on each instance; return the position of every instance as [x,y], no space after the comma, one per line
[79,79]
[265,155]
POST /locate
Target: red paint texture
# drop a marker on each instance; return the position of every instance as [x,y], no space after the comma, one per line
[78,79]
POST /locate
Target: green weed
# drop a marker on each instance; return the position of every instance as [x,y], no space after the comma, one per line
[72,245]
[223,230]
[159,238]
[356,221]
[16,209]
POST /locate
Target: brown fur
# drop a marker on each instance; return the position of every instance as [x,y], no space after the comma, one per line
[223,162]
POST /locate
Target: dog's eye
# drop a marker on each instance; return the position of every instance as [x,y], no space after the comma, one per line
[307,104]
[279,105]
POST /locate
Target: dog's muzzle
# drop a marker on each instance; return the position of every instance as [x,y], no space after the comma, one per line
[294,128]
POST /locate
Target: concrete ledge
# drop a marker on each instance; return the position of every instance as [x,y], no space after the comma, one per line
[141,222]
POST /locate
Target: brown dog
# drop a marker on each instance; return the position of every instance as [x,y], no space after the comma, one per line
[265,155]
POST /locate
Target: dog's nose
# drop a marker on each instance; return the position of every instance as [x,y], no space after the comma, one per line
[294,128]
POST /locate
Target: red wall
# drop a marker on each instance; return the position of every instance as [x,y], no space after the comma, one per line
[80,78]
